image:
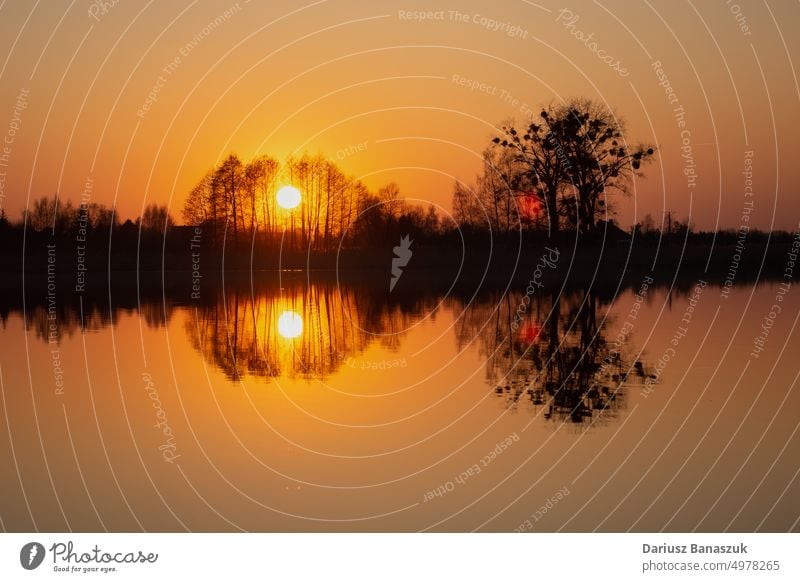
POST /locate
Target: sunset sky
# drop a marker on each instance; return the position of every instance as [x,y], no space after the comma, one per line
[141,98]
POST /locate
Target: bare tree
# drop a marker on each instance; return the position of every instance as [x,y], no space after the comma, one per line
[42,214]
[155,219]
[389,195]
[228,178]
[197,206]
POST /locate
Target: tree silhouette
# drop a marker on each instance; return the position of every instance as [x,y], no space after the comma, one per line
[491,203]
[572,158]
[335,209]
[542,164]
[156,219]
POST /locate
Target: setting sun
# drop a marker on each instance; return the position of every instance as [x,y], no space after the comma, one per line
[290,325]
[288,197]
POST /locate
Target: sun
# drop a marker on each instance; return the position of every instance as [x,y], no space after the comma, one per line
[290,325]
[288,197]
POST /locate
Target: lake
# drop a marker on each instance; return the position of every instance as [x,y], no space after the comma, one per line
[312,406]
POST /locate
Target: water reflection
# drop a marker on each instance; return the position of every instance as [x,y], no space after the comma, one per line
[297,330]
[294,393]
[546,352]
[556,359]
[553,358]
[54,321]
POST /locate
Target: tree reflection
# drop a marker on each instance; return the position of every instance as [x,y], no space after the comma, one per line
[546,353]
[53,321]
[550,354]
[299,330]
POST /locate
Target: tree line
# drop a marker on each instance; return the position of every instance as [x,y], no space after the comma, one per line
[236,201]
[61,218]
[561,170]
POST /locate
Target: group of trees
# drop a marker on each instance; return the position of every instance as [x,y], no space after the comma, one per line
[238,200]
[557,171]
[61,217]
[235,196]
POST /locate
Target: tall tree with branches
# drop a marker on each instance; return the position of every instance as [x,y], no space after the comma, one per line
[542,165]
[574,157]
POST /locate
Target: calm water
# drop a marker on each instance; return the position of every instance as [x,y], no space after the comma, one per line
[317,407]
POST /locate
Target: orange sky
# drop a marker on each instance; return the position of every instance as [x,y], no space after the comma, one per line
[278,77]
